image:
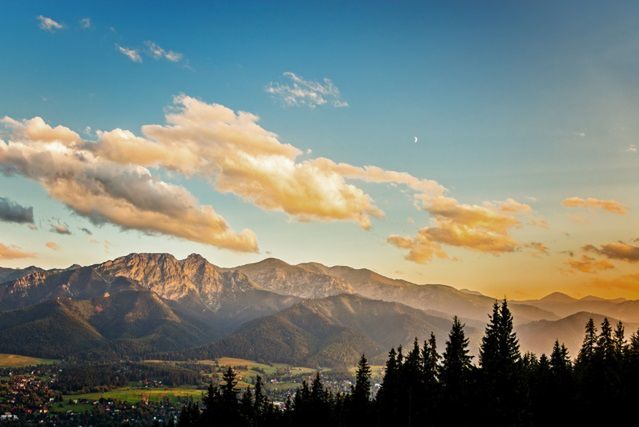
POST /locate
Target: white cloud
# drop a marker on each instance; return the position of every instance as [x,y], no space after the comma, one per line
[48,24]
[632,148]
[298,92]
[86,23]
[132,54]
[157,52]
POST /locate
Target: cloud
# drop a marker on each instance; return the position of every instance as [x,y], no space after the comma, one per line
[86,23]
[611,206]
[537,248]
[8,252]
[105,191]
[37,131]
[632,148]
[53,246]
[48,24]
[588,264]
[484,228]
[132,54]
[616,250]
[238,156]
[60,229]
[156,52]
[11,211]
[86,231]
[298,92]
[112,180]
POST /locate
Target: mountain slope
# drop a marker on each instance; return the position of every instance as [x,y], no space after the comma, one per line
[277,276]
[11,274]
[314,280]
[333,331]
[127,322]
[52,329]
[564,305]
[540,336]
[76,283]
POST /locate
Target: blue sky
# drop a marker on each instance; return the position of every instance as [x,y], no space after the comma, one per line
[531,101]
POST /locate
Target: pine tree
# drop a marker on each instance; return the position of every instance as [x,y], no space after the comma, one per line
[211,402]
[489,350]
[605,345]
[229,390]
[508,343]
[559,359]
[589,345]
[358,403]
[455,376]
[261,402]
[619,340]
[501,376]
[430,359]
[388,394]
[410,389]
[247,408]
[362,390]
[456,362]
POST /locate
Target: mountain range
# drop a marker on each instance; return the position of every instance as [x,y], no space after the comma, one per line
[143,305]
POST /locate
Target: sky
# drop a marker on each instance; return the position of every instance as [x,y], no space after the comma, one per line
[490,146]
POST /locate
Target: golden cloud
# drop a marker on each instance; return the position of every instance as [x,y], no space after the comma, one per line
[616,250]
[52,245]
[538,248]
[483,228]
[8,252]
[588,264]
[611,206]
[238,156]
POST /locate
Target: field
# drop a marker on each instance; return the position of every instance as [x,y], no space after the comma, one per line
[18,361]
[134,395]
[249,368]
[246,370]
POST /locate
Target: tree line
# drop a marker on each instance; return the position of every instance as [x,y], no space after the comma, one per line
[422,387]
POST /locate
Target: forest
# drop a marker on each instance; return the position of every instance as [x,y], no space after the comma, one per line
[423,387]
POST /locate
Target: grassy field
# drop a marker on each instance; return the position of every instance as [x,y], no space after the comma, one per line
[17,361]
[134,395]
[246,369]
[131,395]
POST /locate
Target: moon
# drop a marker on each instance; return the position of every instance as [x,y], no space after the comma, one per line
[415,141]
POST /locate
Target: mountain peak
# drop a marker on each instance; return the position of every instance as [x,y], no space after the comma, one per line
[195,257]
[558,297]
[273,262]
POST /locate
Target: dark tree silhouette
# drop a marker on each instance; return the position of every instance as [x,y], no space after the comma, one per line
[423,388]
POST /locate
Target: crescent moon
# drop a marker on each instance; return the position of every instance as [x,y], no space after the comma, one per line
[415,140]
